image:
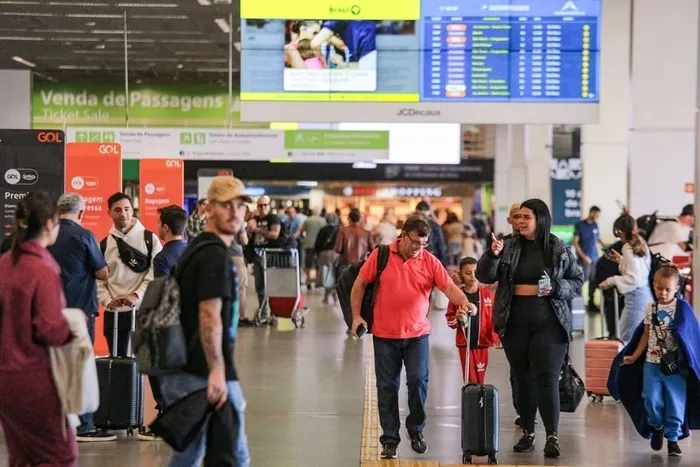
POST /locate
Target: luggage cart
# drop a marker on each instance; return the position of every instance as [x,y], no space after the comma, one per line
[282,279]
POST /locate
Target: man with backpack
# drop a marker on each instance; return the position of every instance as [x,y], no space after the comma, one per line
[670,237]
[209,314]
[129,250]
[401,326]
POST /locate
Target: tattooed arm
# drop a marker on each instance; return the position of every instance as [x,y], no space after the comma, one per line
[211,333]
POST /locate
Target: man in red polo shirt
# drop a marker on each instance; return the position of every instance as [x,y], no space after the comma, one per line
[401,328]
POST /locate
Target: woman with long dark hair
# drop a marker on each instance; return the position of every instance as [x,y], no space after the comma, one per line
[633,281]
[537,274]
[31,320]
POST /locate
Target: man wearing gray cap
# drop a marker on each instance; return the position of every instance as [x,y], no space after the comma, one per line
[77,252]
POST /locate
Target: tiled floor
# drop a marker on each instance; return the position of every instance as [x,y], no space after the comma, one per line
[307,408]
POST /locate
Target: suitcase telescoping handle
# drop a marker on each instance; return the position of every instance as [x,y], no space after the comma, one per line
[115,332]
[466,329]
[616,312]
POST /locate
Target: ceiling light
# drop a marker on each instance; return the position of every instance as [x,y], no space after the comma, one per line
[223,25]
[23,61]
[90,24]
[180,66]
[237,45]
[100,46]
[148,5]
[204,2]
[307,183]
[22,38]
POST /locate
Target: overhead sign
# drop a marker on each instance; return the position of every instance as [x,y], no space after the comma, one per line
[94,171]
[30,161]
[566,173]
[242,145]
[161,183]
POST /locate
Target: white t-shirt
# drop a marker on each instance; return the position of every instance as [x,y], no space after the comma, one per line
[666,315]
[666,237]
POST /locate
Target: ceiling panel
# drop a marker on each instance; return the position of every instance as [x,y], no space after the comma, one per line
[166,39]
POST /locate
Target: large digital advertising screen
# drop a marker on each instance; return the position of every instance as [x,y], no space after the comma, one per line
[467,61]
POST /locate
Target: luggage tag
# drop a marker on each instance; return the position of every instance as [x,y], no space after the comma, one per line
[544,282]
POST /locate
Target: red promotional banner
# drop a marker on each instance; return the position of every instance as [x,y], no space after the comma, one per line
[94,171]
[161,183]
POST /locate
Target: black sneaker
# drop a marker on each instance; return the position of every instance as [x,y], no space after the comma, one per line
[551,447]
[526,443]
[674,450]
[418,444]
[146,435]
[657,439]
[97,436]
[389,451]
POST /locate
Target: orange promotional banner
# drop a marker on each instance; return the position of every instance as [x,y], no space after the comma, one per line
[94,171]
[161,183]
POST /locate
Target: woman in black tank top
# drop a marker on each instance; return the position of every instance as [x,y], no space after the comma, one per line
[533,317]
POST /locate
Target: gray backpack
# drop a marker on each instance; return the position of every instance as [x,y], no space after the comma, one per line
[158,340]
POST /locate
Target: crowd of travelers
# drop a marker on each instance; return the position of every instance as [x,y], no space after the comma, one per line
[515,290]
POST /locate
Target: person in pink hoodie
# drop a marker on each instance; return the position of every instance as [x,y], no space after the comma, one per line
[31,321]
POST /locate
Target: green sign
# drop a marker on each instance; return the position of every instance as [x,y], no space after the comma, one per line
[347,140]
[55,105]
[564,232]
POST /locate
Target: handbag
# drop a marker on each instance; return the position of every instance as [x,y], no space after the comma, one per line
[669,358]
[571,387]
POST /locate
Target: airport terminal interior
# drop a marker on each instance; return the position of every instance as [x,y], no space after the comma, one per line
[368,119]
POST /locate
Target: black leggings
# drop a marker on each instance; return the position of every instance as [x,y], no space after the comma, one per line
[535,344]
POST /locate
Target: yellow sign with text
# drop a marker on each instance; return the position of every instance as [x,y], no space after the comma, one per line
[387,10]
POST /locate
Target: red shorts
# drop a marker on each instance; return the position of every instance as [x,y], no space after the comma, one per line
[478,363]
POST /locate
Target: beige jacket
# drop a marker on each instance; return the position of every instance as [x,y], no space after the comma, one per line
[74,370]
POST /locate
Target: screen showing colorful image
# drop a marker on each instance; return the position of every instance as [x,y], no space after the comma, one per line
[421,51]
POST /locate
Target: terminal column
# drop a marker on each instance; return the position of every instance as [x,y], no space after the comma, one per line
[522,162]
[664,98]
[604,146]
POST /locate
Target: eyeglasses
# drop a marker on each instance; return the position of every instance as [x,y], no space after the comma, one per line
[417,243]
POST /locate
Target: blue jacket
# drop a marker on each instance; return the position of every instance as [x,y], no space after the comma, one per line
[625,381]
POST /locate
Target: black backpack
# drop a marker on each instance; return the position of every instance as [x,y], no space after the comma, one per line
[347,280]
[646,225]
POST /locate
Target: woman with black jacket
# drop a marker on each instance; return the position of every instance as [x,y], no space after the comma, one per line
[532,318]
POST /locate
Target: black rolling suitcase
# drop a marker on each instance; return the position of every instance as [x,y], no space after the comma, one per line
[479,416]
[121,387]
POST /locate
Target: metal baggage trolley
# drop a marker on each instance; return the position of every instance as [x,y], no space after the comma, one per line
[282,279]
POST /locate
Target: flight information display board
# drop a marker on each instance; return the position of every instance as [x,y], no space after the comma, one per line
[416,54]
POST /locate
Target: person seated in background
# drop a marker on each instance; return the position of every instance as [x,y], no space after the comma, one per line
[481,332]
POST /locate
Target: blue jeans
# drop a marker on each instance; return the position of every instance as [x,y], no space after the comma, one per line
[664,400]
[87,421]
[389,356]
[632,315]
[174,388]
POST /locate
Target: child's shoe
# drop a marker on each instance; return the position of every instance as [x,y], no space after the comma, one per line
[657,439]
[673,449]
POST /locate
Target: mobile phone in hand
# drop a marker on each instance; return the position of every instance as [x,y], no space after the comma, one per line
[361,331]
[544,283]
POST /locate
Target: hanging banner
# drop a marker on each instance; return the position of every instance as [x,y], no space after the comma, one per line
[161,183]
[30,160]
[203,144]
[565,174]
[94,171]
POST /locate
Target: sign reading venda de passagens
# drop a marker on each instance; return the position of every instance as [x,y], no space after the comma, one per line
[57,104]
